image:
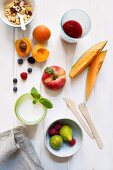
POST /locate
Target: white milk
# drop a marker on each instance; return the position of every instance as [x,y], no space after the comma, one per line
[29,111]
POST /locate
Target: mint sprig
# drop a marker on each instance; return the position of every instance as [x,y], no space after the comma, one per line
[35,94]
[45,102]
[38,98]
[49,70]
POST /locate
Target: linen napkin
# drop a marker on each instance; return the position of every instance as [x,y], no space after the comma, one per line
[17,151]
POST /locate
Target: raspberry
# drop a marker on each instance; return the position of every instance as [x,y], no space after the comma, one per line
[52,131]
[23,75]
[57,126]
[72,142]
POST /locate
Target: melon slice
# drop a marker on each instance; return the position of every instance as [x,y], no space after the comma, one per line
[86,59]
[93,72]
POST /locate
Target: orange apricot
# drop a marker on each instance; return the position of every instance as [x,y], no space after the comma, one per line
[23,47]
[41,33]
[40,53]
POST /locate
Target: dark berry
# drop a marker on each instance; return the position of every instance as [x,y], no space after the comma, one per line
[20,61]
[15,89]
[29,70]
[57,125]
[31,60]
[52,131]
[72,142]
[13,10]
[29,13]
[15,80]
[23,75]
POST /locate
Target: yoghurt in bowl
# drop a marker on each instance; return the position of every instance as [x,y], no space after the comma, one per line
[27,112]
[31,108]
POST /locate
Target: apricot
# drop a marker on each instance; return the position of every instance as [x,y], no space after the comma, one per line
[40,53]
[41,33]
[23,47]
[86,59]
[93,72]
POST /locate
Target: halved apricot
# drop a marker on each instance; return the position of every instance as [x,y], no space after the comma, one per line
[40,53]
[23,47]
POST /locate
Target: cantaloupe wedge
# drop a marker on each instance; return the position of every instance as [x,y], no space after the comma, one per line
[86,59]
[93,72]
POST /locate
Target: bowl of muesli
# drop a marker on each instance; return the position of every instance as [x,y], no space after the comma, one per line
[9,10]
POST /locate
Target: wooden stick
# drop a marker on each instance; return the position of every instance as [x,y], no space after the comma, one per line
[85,112]
[71,104]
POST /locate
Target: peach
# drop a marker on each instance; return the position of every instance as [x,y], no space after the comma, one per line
[54,78]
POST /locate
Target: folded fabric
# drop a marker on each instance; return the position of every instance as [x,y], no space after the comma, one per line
[17,151]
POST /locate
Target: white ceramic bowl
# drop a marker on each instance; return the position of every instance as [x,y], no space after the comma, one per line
[5,20]
[66,150]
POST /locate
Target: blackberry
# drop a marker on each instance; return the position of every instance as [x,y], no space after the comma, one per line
[31,60]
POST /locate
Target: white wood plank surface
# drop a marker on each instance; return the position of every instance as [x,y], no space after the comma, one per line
[100,105]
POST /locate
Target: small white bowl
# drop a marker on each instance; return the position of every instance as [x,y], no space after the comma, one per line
[5,20]
[66,150]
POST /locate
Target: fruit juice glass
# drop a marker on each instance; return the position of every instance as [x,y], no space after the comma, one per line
[75,24]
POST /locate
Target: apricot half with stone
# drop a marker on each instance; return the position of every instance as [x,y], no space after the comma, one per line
[23,47]
[40,53]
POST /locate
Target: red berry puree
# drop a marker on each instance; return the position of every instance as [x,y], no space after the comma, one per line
[72,28]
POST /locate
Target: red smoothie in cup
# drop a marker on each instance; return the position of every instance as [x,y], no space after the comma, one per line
[73,29]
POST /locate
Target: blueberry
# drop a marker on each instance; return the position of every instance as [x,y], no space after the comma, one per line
[31,60]
[29,70]
[15,80]
[15,89]
[20,61]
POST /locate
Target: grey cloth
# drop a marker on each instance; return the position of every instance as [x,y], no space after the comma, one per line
[17,151]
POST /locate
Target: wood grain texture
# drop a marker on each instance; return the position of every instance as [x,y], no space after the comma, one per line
[100,105]
[83,109]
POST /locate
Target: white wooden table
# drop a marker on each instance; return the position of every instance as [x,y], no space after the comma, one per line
[100,103]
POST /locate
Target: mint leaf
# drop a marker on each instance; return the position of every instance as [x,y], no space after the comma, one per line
[35,101]
[37,98]
[35,94]
[49,70]
[45,102]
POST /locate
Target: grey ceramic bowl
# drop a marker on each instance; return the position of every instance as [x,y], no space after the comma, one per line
[66,150]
